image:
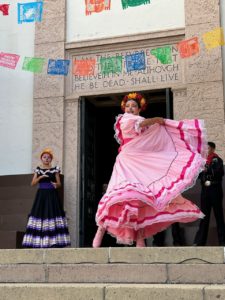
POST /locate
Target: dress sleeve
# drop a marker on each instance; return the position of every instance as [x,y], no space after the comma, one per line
[57,169]
[130,125]
[37,170]
[118,134]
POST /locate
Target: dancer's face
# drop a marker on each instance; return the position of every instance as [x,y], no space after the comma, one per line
[46,159]
[131,107]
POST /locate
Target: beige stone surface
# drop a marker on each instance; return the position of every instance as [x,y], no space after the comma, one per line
[201,11]
[169,255]
[200,273]
[50,30]
[23,273]
[71,167]
[154,292]
[24,256]
[76,256]
[108,273]
[50,50]
[51,292]
[48,110]
[53,8]
[214,292]
[48,135]
[207,64]
[46,86]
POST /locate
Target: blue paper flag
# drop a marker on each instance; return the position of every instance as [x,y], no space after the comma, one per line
[135,62]
[58,66]
[30,12]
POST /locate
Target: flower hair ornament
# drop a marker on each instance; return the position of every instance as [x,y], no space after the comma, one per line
[135,97]
[48,151]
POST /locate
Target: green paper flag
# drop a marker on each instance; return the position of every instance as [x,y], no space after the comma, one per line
[131,3]
[163,54]
[33,64]
[111,65]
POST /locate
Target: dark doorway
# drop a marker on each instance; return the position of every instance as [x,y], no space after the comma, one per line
[99,149]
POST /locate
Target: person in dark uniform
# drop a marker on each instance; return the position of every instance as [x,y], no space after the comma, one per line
[211,197]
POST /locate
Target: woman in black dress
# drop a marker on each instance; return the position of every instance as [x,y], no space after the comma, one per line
[47,224]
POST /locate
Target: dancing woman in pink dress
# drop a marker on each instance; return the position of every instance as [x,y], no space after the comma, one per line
[158,159]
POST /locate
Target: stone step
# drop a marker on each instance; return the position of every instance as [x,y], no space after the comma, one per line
[11,239]
[111,292]
[198,265]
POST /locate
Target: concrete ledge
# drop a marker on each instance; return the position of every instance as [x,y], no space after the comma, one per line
[168,255]
[201,273]
[76,256]
[51,292]
[22,273]
[21,256]
[154,292]
[119,273]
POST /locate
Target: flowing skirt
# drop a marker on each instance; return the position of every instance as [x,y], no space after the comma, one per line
[149,175]
[47,224]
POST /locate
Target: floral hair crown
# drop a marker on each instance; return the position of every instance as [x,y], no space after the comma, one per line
[136,97]
[48,151]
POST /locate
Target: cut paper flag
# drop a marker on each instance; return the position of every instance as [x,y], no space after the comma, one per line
[30,12]
[131,3]
[135,61]
[9,60]
[58,66]
[163,54]
[33,64]
[188,47]
[4,8]
[84,67]
[111,65]
[214,38]
[96,6]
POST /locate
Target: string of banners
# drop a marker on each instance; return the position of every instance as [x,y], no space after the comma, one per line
[114,64]
[32,11]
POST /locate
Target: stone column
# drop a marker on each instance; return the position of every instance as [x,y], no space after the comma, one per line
[204,71]
[180,103]
[71,168]
[48,102]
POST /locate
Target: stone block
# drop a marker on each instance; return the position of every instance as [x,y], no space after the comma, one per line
[76,256]
[21,256]
[167,255]
[22,273]
[51,292]
[197,274]
[214,292]
[48,135]
[154,292]
[50,30]
[201,11]
[48,110]
[119,273]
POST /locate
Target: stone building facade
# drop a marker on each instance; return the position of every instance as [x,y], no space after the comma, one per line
[196,85]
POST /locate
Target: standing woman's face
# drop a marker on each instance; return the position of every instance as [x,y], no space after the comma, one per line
[132,107]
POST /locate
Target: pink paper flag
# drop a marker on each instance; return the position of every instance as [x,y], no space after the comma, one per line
[4,8]
[9,60]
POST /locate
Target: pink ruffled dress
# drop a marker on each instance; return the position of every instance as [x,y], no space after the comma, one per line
[154,166]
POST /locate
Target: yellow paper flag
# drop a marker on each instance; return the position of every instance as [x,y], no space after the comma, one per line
[214,38]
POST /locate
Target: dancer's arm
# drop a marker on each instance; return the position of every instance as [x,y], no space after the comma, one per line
[36,179]
[152,121]
[57,184]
